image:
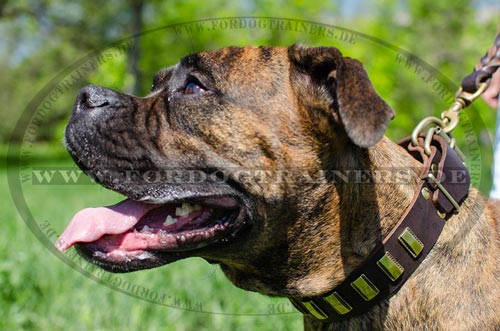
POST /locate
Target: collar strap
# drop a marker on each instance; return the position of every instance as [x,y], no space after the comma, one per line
[445,184]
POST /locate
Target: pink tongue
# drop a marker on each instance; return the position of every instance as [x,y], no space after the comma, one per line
[90,224]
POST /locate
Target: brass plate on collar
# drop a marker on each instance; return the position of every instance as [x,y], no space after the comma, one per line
[338,303]
[411,243]
[297,303]
[365,288]
[390,266]
[314,310]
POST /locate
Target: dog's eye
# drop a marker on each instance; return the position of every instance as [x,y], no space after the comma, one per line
[193,87]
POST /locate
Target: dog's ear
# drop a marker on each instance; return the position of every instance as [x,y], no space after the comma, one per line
[341,82]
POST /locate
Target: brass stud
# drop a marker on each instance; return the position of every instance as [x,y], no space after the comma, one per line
[426,193]
[441,214]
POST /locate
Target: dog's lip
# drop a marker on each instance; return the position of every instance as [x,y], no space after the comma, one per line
[210,201]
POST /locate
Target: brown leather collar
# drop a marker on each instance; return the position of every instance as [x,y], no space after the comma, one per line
[445,184]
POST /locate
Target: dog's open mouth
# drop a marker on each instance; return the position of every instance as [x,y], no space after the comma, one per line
[133,230]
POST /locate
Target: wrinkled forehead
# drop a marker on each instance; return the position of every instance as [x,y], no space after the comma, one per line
[233,63]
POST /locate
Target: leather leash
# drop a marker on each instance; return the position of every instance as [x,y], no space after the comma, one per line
[483,71]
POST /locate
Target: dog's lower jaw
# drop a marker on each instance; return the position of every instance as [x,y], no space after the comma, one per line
[251,280]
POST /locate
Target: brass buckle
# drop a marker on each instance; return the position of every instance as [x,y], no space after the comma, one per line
[444,191]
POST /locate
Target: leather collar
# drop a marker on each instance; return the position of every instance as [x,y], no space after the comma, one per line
[445,183]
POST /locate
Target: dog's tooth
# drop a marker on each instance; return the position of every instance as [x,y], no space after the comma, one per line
[197,207]
[185,209]
[147,228]
[179,211]
[170,220]
[188,207]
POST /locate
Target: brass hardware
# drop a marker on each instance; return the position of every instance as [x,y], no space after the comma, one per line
[428,140]
[451,116]
[440,214]
[436,127]
[338,303]
[422,125]
[448,122]
[390,266]
[315,311]
[297,304]
[365,288]
[444,191]
[471,97]
[434,169]
[462,100]
[411,242]
[426,193]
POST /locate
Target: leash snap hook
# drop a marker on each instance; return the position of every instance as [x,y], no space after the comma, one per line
[451,116]
[463,99]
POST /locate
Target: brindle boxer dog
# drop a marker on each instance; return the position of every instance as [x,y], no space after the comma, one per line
[272,110]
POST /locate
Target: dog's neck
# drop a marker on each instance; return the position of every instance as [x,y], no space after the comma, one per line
[440,267]
[378,196]
[362,208]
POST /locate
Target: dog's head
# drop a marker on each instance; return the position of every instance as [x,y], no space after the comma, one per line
[221,161]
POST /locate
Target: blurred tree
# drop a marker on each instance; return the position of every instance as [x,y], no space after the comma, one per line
[137,7]
[42,37]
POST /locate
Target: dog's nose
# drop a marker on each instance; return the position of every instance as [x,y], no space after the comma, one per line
[93,97]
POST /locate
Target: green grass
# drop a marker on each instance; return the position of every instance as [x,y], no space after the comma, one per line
[39,291]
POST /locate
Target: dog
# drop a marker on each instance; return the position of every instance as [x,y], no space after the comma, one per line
[202,158]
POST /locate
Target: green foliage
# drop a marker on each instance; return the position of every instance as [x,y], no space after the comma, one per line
[112,74]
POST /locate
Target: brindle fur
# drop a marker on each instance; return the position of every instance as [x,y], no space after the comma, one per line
[300,109]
